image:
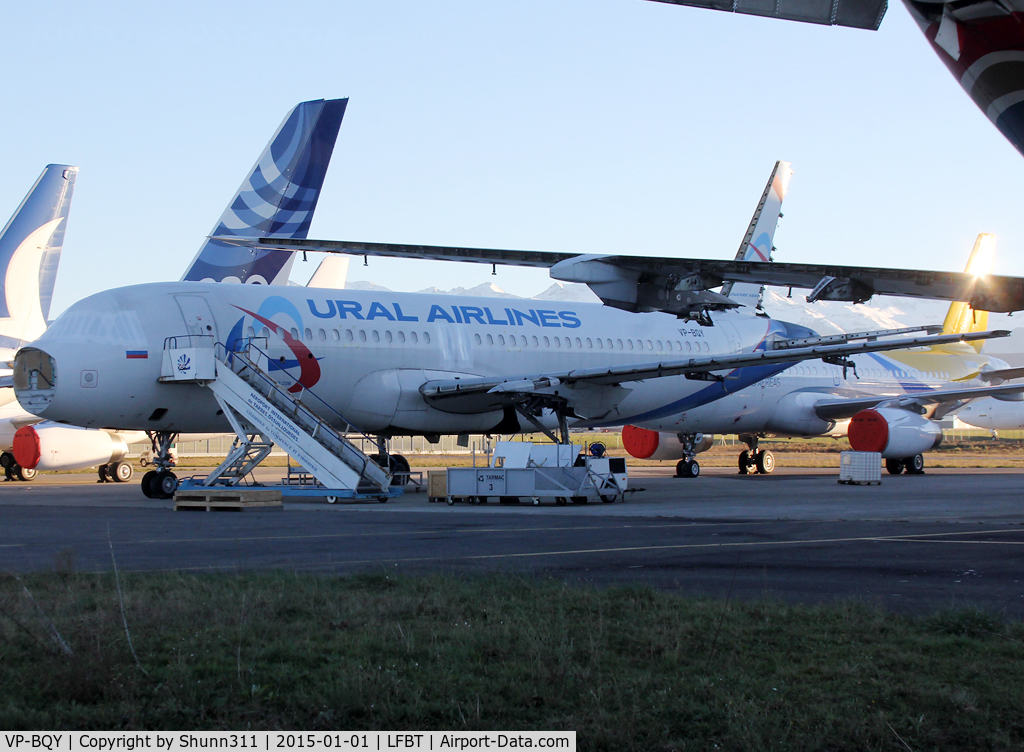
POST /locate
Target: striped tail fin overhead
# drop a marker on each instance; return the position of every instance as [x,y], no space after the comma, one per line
[757,241]
[961,318]
[277,199]
[30,247]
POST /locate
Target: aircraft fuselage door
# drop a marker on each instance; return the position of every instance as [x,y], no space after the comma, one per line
[197,315]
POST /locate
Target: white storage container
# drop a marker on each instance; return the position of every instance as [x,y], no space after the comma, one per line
[860,467]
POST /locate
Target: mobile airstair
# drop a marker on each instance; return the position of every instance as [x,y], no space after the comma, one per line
[264,413]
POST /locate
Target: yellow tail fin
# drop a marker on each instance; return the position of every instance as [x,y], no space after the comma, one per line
[961,318]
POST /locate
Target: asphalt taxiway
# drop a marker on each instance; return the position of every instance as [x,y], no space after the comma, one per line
[948,538]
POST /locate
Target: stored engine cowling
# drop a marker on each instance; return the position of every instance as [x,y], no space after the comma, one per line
[46,446]
[658,445]
[893,432]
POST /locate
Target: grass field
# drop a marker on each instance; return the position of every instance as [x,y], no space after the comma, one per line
[628,668]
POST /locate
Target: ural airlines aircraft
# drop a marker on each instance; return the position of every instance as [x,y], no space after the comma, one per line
[981,42]
[276,199]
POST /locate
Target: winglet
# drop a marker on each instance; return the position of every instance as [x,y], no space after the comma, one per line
[277,199]
[961,318]
[757,241]
[30,247]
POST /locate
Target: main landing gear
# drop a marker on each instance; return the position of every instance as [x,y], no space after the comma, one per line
[688,467]
[161,483]
[115,472]
[752,460]
[13,471]
[913,465]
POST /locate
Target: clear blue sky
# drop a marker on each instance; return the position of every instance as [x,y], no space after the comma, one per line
[605,126]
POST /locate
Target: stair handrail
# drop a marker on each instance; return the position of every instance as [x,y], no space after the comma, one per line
[241,354]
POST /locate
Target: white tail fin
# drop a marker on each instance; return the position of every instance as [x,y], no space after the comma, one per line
[757,242]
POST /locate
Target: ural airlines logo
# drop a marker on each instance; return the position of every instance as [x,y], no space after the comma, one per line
[304,361]
[184,364]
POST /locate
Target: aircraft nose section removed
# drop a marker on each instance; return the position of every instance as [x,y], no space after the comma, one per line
[35,379]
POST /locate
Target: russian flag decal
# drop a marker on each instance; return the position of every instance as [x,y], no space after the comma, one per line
[136,354]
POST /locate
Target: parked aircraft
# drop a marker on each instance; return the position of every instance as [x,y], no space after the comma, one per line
[276,199]
[885,390]
[979,41]
[423,364]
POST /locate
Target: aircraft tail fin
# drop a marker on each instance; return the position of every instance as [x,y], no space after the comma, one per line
[961,318]
[760,234]
[277,199]
[30,247]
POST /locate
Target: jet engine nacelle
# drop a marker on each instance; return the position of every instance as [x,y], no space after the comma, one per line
[893,432]
[794,416]
[46,446]
[658,445]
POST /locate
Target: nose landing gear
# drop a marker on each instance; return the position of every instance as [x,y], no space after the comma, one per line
[161,483]
[688,467]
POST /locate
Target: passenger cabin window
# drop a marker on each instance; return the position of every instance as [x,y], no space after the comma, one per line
[501,339]
[401,337]
[309,334]
[426,338]
[547,342]
[414,337]
[376,335]
[335,335]
[321,334]
[536,342]
[490,340]
[295,333]
[362,335]
[387,336]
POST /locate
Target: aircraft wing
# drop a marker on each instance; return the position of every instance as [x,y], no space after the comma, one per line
[684,285]
[839,409]
[859,14]
[1001,374]
[492,393]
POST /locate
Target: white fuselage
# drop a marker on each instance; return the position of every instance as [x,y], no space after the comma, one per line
[366,354]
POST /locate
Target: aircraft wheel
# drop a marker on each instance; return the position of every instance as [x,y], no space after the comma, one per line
[7,460]
[332,499]
[744,462]
[147,484]
[382,499]
[915,464]
[450,501]
[165,484]
[536,501]
[120,472]
[579,499]
[399,464]
[608,499]
[24,473]
[765,462]
[692,469]
[894,466]
[101,471]
[559,500]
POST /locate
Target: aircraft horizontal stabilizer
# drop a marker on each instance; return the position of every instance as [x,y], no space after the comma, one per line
[1002,374]
[833,409]
[682,286]
[501,392]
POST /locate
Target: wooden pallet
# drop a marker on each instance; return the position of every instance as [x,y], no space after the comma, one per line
[226,499]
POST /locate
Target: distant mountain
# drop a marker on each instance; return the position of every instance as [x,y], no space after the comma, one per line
[363,285]
[569,293]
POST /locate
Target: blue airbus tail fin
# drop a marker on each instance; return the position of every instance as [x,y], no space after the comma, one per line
[30,248]
[277,199]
